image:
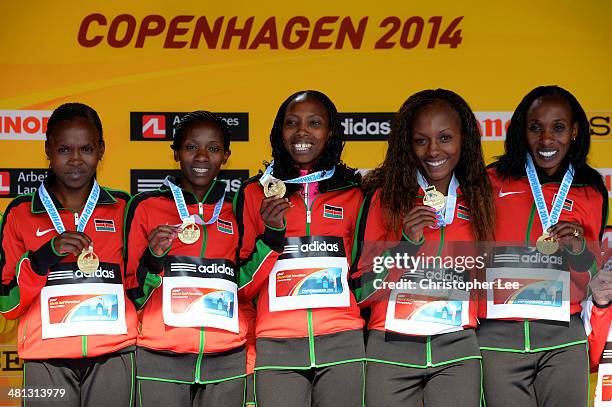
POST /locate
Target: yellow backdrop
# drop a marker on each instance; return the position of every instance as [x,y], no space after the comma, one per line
[246,57]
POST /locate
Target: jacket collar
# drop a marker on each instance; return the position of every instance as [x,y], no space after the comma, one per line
[37,206]
[215,192]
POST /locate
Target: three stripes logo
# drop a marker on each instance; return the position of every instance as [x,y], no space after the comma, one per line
[179,268]
[463,212]
[333,212]
[415,275]
[507,258]
[104,225]
[60,275]
[291,249]
[225,226]
[607,354]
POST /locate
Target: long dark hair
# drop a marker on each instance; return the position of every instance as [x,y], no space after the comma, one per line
[397,176]
[512,163]
[285,167]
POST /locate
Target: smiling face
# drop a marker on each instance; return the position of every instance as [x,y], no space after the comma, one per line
[550,131]
[305,130]
[201,155]
[436,142]
[74,150]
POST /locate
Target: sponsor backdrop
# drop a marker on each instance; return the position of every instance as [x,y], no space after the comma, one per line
[144,64]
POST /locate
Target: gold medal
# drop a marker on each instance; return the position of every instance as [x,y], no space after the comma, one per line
[190,232]
[546,244]
[434,198]
[88,261]
[274,187]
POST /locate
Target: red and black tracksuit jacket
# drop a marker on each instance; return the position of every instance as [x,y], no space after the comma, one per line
[189,354]
[27,257]
[376,240]
[518,224]
[304,338]
[597,323]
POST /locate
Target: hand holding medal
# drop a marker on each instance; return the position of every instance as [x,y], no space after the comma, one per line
[189,231]
[273,211]
[437,201]
[417,219]
[161,238]
[601,284]
[444,207]
[548,242]
[72,242]
[274,188]
[570,234]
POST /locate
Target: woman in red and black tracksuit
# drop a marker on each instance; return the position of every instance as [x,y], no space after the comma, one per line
[181,254]
[532,339]
[309,331]
[422,346]
[77,329]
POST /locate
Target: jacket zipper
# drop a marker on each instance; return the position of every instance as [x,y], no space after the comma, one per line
[83,337]
[311,349]
[202,331]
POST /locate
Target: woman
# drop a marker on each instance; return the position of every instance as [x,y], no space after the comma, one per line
[61,257]
[546,195]
[429,354]
[181,251]
[308,327]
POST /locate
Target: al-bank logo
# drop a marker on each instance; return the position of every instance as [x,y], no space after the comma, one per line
[160,126]
[153,126]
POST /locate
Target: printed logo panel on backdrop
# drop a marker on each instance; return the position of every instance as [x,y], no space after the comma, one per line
[606,173]
[601,125]
[150,180]
[19,181]
[366,126]
[159,126]
[23,124]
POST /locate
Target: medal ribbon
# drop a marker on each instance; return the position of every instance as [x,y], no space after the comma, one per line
[304,179]
[54,215]
[536,190]
[181,206]
[451,200]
